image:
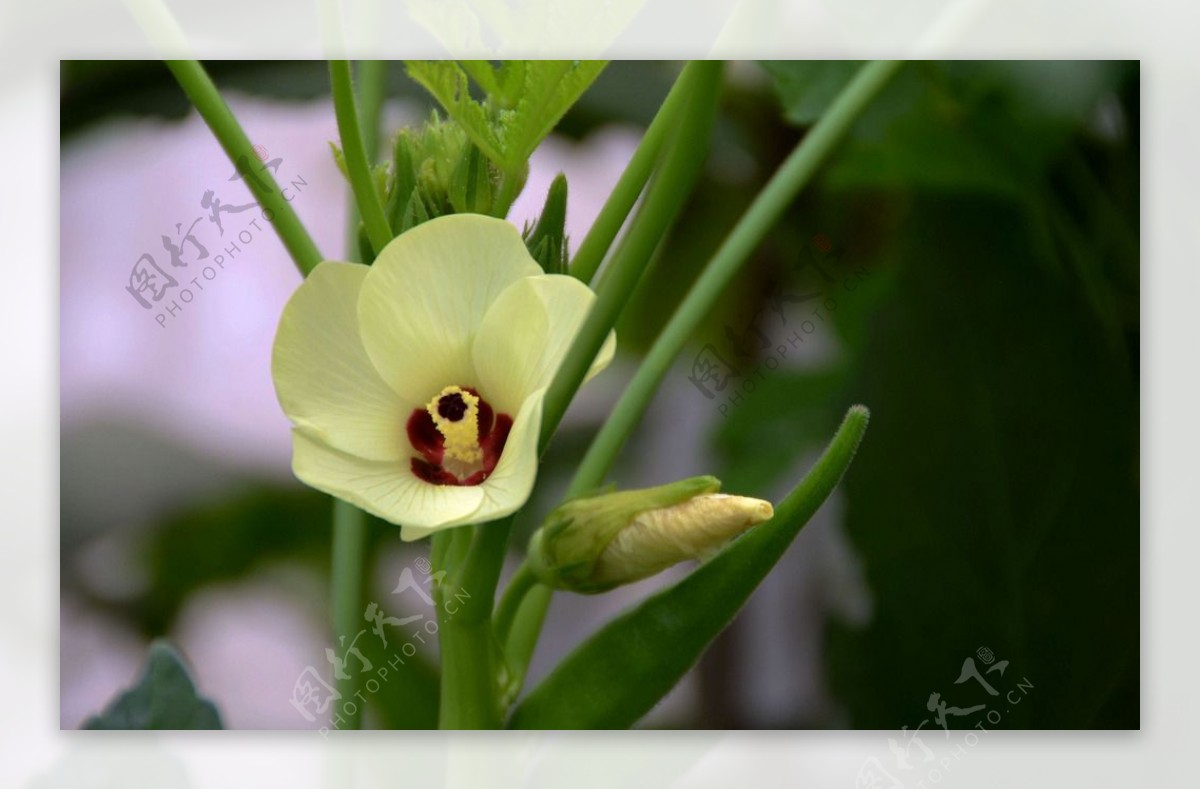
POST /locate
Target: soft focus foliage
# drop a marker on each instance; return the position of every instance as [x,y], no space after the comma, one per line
[992,211]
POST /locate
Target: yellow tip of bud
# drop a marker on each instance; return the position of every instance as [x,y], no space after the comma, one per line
[660,538]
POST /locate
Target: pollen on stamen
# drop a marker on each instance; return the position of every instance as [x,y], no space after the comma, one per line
[455,413]
[458,437]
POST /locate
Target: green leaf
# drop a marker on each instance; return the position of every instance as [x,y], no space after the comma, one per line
[997,503]
[486,76]
[524,100]
[548,89]
[448,83]
[623,670]
[163,699]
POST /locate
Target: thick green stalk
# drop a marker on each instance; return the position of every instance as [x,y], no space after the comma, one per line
[665,197]
[372,90]
[350,523]
[468,684]
[620,202]
[480,571]
[469,676]
[349,547]
[354,150]
[754,224]
[469,679]
[212,108]
[762,214]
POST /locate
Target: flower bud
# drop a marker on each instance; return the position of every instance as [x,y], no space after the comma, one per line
[432,154]
[595,543]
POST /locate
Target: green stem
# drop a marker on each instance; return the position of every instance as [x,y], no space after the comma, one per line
[528,611]
[349,547]
[665,198]
[372,89]
[762,214]
[481,569]
[203,94]
[759,217]
[524,632]
[469,680]
[468,686]
[350,523]
[439,545]
[510,184]
[599,238]
[354,149]
[506,611]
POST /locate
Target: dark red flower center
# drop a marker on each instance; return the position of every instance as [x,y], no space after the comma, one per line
[449,451]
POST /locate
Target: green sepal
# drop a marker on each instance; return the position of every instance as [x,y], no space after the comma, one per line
[547,239]
[471,186]
[364,243]
[564,550]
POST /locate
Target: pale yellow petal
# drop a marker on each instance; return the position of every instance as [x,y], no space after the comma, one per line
[325,382]
[415,533]
[426,295]
[526,334]
[508,487]
[603,357]
[387,489]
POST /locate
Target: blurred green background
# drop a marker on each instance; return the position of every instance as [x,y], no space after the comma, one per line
[973,252]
